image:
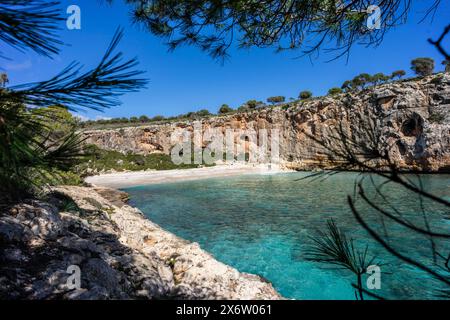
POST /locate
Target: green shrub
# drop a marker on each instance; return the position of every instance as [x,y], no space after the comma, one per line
[334,91]
[253,104]
[158,118]
[347,85]
[56,177]
[225,109]
[378,78]
[63,202]
[203,113]
[144,118]
[276,99]
[99,159]
[446,63]
[361,80]
[305,95]
[398,74]
[243,108]
[422,66]
[436,117]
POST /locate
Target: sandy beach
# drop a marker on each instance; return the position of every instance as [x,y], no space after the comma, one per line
[138,178]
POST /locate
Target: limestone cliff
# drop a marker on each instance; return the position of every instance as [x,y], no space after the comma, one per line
[409,120]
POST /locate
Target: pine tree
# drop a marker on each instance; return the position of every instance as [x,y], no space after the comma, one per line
[28,152]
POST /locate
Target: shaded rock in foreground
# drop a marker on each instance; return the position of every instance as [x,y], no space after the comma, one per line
[120,253]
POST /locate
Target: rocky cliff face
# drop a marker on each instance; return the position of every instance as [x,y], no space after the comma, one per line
[120,254]
[408,120]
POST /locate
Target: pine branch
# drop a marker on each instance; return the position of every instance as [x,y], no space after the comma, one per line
[30,25]
[96,89]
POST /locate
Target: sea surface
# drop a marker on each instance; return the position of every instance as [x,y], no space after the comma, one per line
[263,224]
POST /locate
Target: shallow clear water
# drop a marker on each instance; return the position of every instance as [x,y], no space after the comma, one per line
[261,224]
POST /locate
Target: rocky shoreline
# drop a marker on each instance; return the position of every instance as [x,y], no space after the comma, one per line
[120,254]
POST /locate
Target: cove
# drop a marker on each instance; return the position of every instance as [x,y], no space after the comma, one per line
[262,224]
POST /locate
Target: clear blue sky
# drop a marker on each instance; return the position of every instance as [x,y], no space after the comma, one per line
[189,79]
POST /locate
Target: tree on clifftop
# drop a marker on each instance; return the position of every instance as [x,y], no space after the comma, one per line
[276,99]
[334,91]
[203,113]
[422,66]
[305,95]
[379,78]
[398,74]
[225,109]
[361,80]
[144,119]
[252,104]
[446,63]
[3,80]
[347,85]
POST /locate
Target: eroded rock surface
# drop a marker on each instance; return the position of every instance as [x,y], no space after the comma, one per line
[120,253]
[412,124]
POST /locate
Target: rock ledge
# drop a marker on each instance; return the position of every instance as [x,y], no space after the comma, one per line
[120,254]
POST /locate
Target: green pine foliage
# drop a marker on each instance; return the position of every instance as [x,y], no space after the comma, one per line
[38,142]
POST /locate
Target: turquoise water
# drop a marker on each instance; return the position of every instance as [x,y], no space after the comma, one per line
[261,224]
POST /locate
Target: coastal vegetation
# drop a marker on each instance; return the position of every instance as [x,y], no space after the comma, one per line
[276,99]
[98,160]
[214,33]
[41,144]
[225,109]
[38,145]
[304,95]
[334,91]
[422,66]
